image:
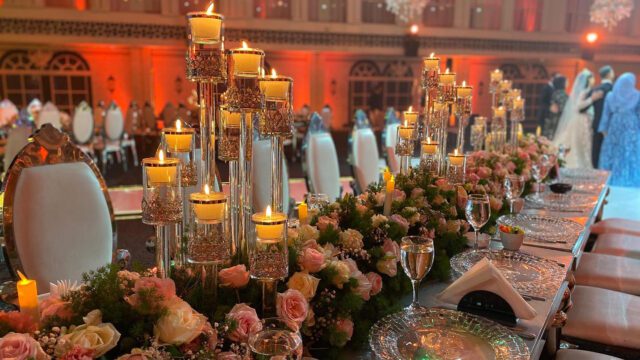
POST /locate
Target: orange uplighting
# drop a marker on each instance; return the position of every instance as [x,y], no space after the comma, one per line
[414,29]
[592,37]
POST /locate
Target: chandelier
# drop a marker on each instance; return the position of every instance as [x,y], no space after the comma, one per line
[609,13]
[406,9]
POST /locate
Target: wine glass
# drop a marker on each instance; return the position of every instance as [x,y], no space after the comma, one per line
[275,339]
[477,211]
[317,201]
[514,186]
[416,256]
[540,170]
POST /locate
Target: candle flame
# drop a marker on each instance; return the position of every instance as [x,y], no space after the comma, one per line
[268,211]
[206,189]
[447,71]
[178,125]
[274,74]
[464,83]
[455,152]
[410,109]
[432,55]
[429,140]
[22,277]
[210,9]
[161,155]
[244,45]
[406,123]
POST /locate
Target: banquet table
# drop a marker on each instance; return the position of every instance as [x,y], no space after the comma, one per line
[569,257]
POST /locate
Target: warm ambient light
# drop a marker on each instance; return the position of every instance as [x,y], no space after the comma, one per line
[592,37]
[414,29]
[274,74]
[447,71]
[210,9]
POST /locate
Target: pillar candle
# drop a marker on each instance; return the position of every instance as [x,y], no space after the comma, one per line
[429,147]
[303,212]
[388,197]
[269,226]
[410,116]
[178,139]
[276,87]
[448,78]
[456,158]
[28,296]
[205,27]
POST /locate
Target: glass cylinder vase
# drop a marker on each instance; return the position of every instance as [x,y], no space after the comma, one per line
[161,199]
[268,252]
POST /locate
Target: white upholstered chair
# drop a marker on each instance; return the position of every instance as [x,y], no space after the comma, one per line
[17,139]
[113,133]
[366,162]
[83,128]
[8,113]
[609,272]
[58,219]
[262,177]
[618,245]
[393,160]
[321,160]
[49,115]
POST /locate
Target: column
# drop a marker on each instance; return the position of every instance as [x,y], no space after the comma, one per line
[461,14]
[354,12]
[316,81]
[554,13]
[508,7]
[635,22]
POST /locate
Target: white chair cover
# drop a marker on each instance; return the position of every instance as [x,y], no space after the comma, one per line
[365,158]
[114,124]
[390,145]
[618,245]
[61,222]
[82,123]
[49,115]
[575,354]
[8,112]
[262,177]
[18,138]
[604,316]
[34,107]
[609,272]
[322,162]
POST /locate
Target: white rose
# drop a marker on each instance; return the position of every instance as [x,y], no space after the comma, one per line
[351,239]
[342,273]
[378,220]
[180,325]
[308,232]
[292,236]
[305,283]
[93,335]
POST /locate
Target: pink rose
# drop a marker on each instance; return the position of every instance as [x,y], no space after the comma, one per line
[311,260]
[234,277]
[353,267]
[417,192]
[391,248]
[136,354]
[364,286]
[398,195]
[361,209]
[474,178]
[388,266]
[14,346]
[483,172]
[345,326]
[54,306]
[511,166]
[165,290]
[398,219]
[78,353]
[292,307]
[324,222]
[246,320]
[376,282]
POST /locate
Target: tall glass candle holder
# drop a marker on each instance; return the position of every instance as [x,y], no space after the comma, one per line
[464,94]
[447,87]
[161,203]
[429,160]
[496,77]
[405,144]
[457,163]
[504,90]
[478,132]
[209,241]
[516,116]
[499,128]
[205,27]
[179,141]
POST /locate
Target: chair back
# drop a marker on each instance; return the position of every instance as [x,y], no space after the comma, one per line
[82,125]
[58,218]
[49,115]
[114,123]
[169,114]
[365,158]
[133,120]
[17,139]
[323,170]
[148,117]
[8,112]
[261,165]
[391,133]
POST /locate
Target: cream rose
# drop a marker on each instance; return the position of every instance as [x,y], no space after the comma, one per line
[305,283]
[377,220]
[364,286]
[180,325]
[308,232]
[16,346]
[93,335]
[342,272]
[351,239]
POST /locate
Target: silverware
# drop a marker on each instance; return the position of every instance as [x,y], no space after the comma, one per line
[529,297]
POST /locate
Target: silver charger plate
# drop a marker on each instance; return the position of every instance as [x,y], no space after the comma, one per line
[583,174]
[444,334]
[528,274]
[546,229]
[560,202]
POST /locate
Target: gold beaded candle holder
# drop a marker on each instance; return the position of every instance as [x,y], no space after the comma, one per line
[457,163]
[429,155]
[504,90]
[447,87]
[405,144]
[277,117]
[179,141]
[205,56]
[209,243]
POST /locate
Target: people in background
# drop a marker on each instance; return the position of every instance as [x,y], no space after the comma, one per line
[620,127]
[545,100]
[558,101]
[375,104]
[606,84]
[327,116]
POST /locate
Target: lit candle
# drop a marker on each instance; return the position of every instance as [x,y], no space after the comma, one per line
[518,103]
[505,85]
[538,131]
[388,196]
[520,132]
[28,296]
[178,140]
[464,90]
[410,116]
[303,212]
[496,75]
[499,112]
[276,87]
[269,226]
[231,119]
[480,120]
[206,26]
[161,171]
[208,207]
[456,158]
[405,131]
[246,61]
[448,78]
[431,63]
[391,184]
[429,147]
[386,175]
[515,93]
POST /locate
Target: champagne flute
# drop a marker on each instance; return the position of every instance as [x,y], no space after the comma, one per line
[317,201]
[477,211]
[275,339]
[416,255]
[514,186]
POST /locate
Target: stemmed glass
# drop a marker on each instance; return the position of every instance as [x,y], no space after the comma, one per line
[317,201]
[416,255]
[477,212]
[514,186]
[275,339]
[540,170]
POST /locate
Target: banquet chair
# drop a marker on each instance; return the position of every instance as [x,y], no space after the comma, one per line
[113,133]
[34,108]
[262,177]
[17,139]
[320,160]
[604,320]
[8,113]
[365,162]
[83,128]
[148,117]
[609,272]
[575,354]
[618,245]
[58,218]
[389,139]
[49,115]
[616,226]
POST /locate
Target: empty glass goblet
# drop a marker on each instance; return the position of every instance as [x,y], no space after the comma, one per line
[275,339]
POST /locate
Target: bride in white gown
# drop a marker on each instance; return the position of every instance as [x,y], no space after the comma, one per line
[574,128]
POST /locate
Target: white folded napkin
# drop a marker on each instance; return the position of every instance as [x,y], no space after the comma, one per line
[484,276]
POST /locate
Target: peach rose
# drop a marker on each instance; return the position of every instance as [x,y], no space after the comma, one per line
[376,282]
[292,306]
[364,286]
[165,290]
[246,320]
[388,266]
[311,260]
[305,283]
[483,172]
[136,354]
[15,346]
[234,277]
[391,248]
[462,197]
[344,326]
[324,222]
[78,353]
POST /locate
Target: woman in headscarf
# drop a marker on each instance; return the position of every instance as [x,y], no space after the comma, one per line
[620,125]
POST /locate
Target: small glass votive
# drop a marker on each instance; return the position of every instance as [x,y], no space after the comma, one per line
[429,155]
[268,252]
[406,137]
[205,27]
[447,87]
[456,167]
[179,141]
[229,141]
[161,201]
[209,242]
[246,62]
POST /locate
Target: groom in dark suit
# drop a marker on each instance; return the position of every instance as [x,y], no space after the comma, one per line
[607,76]
[545,100]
